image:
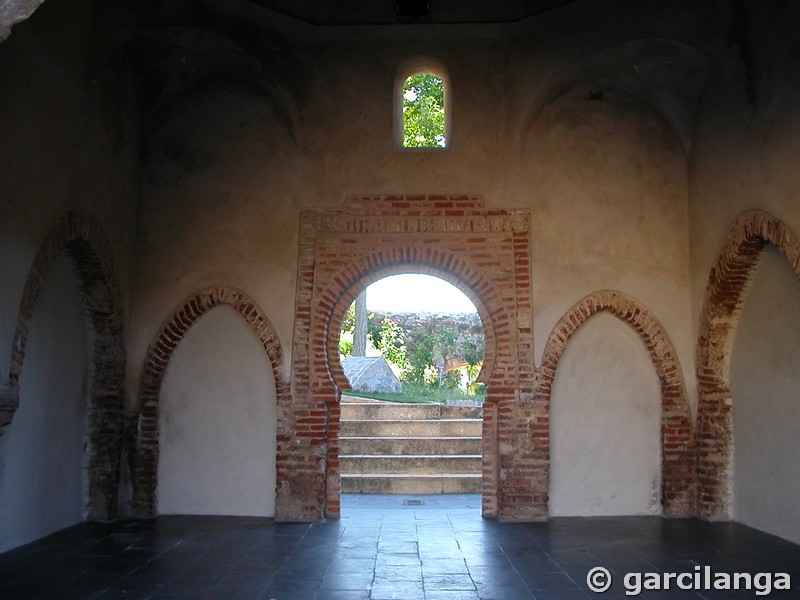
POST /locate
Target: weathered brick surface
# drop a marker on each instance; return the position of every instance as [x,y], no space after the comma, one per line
[677,439]
[80,235]
[486,254]
[727,288]
[144,440]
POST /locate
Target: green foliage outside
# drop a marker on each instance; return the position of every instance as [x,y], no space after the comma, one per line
[427,360]
[420,356]
[473,351]
[385,335]
[423,111]
[424,394]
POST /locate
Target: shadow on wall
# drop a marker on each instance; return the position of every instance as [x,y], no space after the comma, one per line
[765,379]
[42,482]
[78,236]
[730,278]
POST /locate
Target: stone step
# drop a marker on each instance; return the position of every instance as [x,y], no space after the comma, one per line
[410,445]
[411,464]
[399,483]
[411,428]
[387,411]
[397,448]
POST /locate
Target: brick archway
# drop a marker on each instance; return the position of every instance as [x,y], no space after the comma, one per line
[393,262]
[397,262]
[145,454]
[677,441]
[80,235]
[728,283]
[486,253]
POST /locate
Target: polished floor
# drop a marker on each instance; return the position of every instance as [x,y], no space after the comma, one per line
[391,548]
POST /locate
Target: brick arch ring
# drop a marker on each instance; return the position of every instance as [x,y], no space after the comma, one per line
[677,441]
[493,311]
[353,285]
[80,235]
[145,453]
[728,283]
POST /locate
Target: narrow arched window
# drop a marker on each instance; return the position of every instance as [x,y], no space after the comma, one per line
[424,111]
[422,106]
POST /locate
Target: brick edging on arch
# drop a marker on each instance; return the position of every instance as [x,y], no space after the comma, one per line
[398,260]
[485,249]
[728,283]
[677,441]
[80,235]
[159,353]
[410,259]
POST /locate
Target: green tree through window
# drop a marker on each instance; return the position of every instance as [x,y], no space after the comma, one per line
[423,111]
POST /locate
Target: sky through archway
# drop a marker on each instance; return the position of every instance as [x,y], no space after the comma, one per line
[410,293]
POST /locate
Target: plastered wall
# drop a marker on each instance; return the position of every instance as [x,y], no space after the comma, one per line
[220,206]
[581,172]
[738,166]
[218,422]
[42,480]
[224,181]
[765,378]
[66,141]
[604,435]
[605,175]
[632,138]
[740,161]
[226,171]
[742,147]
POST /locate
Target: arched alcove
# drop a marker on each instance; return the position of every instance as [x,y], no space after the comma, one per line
[765,377]
[677,448]
[145,461]
[80,237]
[605,425]
[729,281]
[217,422]
[171,63]
[44,477]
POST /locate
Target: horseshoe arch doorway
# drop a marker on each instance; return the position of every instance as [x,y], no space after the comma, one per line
[484,253]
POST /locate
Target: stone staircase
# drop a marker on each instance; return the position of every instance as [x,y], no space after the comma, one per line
[392,448]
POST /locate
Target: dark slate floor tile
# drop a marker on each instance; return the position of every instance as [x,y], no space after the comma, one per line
[382,549]
[393,589]
[351,590]
[451,595]
[503,591]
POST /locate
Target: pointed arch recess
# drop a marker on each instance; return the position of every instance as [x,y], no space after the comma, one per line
[729,281]
[145,461]
[484,252]
[80,235]
[677,441]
